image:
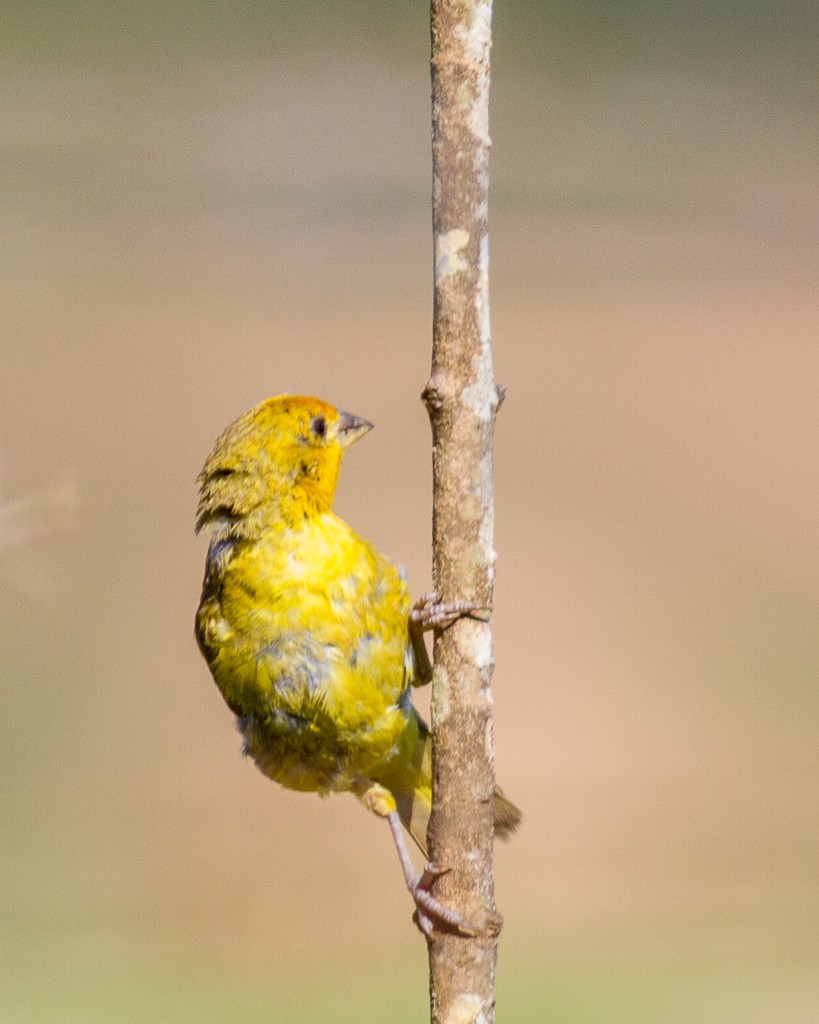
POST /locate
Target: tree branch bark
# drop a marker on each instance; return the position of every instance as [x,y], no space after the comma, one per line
[462,400]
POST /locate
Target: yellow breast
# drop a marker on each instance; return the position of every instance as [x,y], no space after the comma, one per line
[306,633]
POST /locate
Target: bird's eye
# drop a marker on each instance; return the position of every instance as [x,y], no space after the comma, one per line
[319,426]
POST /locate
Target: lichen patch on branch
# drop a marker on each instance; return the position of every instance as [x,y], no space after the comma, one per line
[466,1009]
[476,37]
[449,253]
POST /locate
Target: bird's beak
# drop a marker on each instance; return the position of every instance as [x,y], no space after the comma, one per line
[350,428]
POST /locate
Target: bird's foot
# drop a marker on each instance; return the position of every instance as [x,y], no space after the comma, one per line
[429,612]
[430,914]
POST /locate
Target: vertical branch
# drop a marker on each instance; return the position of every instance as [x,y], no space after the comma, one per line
[462,400]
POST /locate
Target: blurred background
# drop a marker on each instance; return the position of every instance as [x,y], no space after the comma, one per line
[203,205]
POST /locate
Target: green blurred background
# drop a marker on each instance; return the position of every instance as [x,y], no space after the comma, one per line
[206,204]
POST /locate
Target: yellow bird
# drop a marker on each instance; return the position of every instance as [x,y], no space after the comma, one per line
[309,632]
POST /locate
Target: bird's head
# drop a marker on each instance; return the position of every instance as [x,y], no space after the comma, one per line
[280,459]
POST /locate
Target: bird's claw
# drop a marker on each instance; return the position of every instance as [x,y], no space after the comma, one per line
[431,871]
[430,914]
[429,612]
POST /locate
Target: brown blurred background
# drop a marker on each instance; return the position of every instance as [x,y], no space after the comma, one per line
[205,205]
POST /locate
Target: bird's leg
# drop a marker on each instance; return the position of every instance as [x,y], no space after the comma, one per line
[430,914]
[429,612]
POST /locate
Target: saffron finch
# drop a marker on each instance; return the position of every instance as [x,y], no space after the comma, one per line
[310,633]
